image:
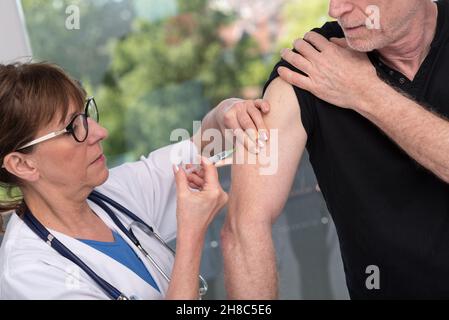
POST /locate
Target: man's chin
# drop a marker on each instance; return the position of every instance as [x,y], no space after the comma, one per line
[361,45]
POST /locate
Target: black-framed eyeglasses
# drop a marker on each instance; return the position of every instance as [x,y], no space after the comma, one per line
[78,126]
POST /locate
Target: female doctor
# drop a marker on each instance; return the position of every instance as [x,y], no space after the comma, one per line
[84,232]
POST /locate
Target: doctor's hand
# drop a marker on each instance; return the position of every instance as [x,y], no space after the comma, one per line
[335,73]
[244,118]
[197,209]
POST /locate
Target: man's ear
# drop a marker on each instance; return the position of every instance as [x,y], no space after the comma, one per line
[21,166]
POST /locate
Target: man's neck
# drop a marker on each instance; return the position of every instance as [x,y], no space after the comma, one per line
[408,53]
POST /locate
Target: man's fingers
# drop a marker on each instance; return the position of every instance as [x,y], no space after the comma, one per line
[295,79]
[306,49]
[317,40]
[341,42]
[297,60]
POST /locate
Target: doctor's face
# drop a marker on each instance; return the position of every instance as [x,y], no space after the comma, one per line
[374,24]
[65,163]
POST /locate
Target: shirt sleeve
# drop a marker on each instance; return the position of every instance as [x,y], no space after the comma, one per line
[150,184]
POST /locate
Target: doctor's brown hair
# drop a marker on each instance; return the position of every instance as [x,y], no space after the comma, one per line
[32,95]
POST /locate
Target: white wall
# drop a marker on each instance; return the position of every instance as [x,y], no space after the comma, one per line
[14,44]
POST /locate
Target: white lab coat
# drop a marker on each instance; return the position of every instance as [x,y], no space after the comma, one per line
[31,269]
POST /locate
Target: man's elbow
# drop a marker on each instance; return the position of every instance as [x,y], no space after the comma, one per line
[248,224]
[244,236]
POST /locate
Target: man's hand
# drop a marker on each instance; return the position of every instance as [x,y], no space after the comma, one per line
[336,73]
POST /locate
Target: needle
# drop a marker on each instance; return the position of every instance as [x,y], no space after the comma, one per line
[214,160]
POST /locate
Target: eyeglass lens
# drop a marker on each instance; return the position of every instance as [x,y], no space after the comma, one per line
[80,124]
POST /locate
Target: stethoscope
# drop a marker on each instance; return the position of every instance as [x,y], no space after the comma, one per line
[103,202]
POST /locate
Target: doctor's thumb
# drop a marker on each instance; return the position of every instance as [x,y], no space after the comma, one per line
[210,172]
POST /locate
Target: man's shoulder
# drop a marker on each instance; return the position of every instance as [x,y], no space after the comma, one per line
[305,99]
[330,29]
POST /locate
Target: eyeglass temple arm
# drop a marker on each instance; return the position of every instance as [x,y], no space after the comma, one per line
[44,138]
[39,140]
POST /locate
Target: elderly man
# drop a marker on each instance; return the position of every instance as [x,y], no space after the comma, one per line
[371,111]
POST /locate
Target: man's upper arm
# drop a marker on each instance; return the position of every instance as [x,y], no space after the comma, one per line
[261,198]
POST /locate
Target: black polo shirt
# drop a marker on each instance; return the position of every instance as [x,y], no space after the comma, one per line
[389,211]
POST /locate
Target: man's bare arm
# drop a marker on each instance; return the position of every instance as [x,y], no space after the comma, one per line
[256,201]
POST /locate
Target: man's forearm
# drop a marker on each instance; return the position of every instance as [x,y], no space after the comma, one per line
[246,238]
[249,261]
[421,133]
